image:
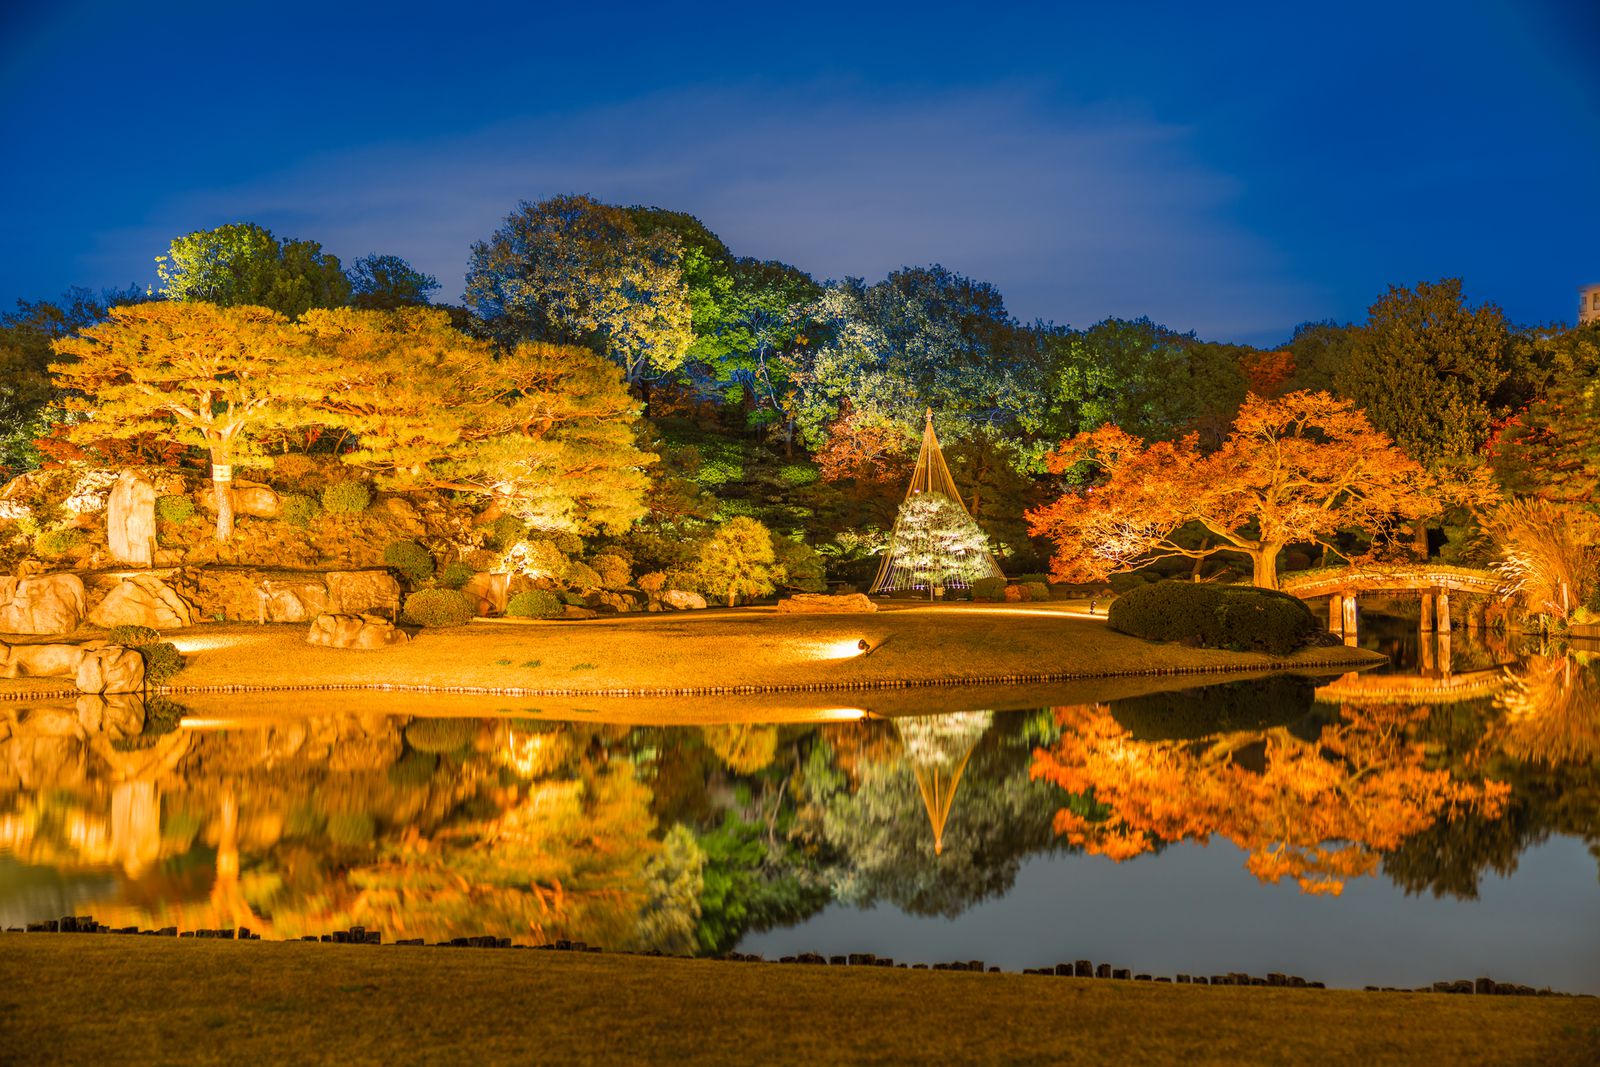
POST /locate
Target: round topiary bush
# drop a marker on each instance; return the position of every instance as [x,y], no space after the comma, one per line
[456,575]
[346,498]
[162,660]
[353,829]
[507,530]
[299,509]
[132,636]
[534,604]
[1038,590]
[613,570]
[441,735]
[174,508]
[410,559]
[1241,618]
[989,589]
[437,607]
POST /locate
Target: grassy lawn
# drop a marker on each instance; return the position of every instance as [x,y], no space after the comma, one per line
[80,999]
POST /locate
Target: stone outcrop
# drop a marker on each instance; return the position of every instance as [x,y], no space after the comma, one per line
[333,630]
[131,520]
[41,661]
[620,602]
[143,600]
[112,669]
[249,498]
[47,604]
[682,600]
[825,604]
[488,591]
[265,595]
[356,592]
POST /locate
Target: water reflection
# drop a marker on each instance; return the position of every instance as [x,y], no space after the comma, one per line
[686,839]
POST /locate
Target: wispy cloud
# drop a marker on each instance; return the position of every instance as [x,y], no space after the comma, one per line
[1074,213]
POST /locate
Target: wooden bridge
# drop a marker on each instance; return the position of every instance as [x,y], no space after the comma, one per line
[1433,583]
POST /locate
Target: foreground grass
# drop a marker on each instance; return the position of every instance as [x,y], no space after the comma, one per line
[78,999]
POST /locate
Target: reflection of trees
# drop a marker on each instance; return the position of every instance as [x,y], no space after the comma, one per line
[1550,712]
[1319,811]
[879,835]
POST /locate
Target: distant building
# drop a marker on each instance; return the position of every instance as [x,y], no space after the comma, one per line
[1589,304]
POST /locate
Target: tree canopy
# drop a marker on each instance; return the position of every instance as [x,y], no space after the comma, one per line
[388,282]
[243,264]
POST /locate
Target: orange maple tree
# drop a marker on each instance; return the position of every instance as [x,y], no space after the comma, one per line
[866,449]
[1293,470]
[1318,811]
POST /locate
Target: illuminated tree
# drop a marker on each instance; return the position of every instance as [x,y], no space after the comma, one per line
[200,375]
[1294,470]
[571,270]
[936,543]
[1550,449]
[1548,554]
[738,560]
[547,429]
[242,264]
[1319,811]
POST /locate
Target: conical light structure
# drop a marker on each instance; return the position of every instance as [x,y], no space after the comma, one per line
[935,542]
[938,748]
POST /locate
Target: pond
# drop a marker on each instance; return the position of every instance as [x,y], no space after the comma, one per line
[1440,819]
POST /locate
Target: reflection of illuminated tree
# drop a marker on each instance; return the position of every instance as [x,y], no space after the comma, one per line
[744,748]
[1551,712]
[1317,811]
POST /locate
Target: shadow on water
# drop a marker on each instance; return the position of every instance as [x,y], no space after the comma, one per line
[700,838]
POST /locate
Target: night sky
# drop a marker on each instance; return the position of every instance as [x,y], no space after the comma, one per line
[1232,173]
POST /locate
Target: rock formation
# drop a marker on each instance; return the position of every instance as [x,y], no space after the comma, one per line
[822,603]
[144,600]
[334,630]
[47,604]
[131,520]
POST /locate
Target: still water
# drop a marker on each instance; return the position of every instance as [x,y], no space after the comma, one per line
[1440,819]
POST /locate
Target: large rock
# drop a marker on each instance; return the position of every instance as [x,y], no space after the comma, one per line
[143,600]
[356,592]
[682,600]
[488,591]
[249,498]
[131,520]
[48,604]
[617,601]
[291,599]
[41,661]
[825,604]
[333,630]
[113,669]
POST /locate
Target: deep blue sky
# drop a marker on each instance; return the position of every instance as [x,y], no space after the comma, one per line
[1232,173]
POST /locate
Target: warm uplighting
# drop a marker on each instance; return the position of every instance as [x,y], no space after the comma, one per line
[845,649]
[841,714]
[187,643]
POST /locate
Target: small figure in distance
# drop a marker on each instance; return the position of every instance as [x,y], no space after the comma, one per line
[1093,602]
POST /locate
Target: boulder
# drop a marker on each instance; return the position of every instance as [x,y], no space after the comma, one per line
[356,592]
[573,611]
[488,591]
[825,604]
[290,599]
[48,604]
[40,661]
[116,715]
[143,600]
[617,601]
[682,600]
[113,669]
[249,498]
[131,520]
[334,630]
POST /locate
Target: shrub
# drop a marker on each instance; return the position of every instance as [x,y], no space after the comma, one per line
[162,660]
[456,575]
[534,604]
[1030,579]
[1017,594]
[795,475]
[582,577]
[801,565]
[1241,618]
[353,829]
[299,509]
[413,770]
[989,589]
[738,560]
[441,735]
[346,498]
[174,508]
[410,559]
[161,715]
[1037,590]
[437,607]
[653,583]
[132,636]
[613,570]
[507,530]
[53,543]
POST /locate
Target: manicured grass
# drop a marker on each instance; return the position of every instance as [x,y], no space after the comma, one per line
[109,999]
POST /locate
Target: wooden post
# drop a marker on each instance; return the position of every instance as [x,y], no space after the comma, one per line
[1444,611]
[1336,613]
[1426,662]
[1427,613]
[1350,616]
[1444,655]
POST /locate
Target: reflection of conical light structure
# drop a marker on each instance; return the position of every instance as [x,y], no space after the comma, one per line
[938,748]
[958,558]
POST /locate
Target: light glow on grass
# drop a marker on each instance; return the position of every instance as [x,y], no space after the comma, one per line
[848,648]
[187,643]
[841,714]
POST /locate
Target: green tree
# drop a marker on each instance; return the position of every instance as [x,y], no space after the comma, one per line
[738,560]
[1320,351]
[195,373]
[571,270]
[1550,449]
[244,264]
[388,282]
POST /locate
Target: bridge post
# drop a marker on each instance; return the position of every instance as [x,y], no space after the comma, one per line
[1336,613]
[1444,611]
[1426,662]
[1426,626]
[1444,654]
[1349,616]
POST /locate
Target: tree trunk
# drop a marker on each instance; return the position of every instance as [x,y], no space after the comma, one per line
[222,488]
[730,600]
[1419,539]
[1266,566]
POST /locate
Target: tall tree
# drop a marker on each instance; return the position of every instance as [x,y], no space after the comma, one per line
[388,282]
[546,429]
[1294,470]
[244,264]
[1319,351]
[1551,448]
[571,270]
[195,373]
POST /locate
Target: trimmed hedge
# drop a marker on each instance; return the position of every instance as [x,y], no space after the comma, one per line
[132,635]
[410,559]
[162,660]
[534,604]
[174,508]
[299,509]
[346,498]
[989,589]
[437,607]
[1237,617]
[456,575]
